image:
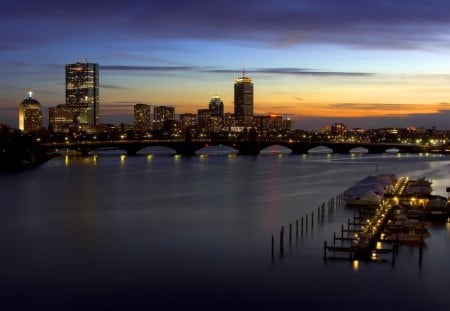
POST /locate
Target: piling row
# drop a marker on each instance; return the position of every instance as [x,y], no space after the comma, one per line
[308,220]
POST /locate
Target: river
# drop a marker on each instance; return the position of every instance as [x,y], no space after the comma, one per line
[164,232]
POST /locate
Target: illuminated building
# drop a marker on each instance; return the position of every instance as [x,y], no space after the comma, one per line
[188,121]
[268,123]
[142,117]
[61,118]
[162,114]
[338,128]
[243,100]
[287,124]
[82,91]
[203,120]
[229,123]
[216,106]
[30,115]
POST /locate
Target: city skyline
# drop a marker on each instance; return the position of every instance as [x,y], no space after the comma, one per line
[370,64]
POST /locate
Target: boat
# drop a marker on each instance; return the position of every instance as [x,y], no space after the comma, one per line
[402,222]
[419,186]
[410,237]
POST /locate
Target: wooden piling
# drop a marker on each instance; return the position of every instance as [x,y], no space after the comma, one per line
[325,250]
[281,239]
[312,219]
[290,232]
[273,243]
[306,221]
[302,225]
[296,228]
[420,254]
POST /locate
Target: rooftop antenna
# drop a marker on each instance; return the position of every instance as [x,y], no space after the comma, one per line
[30,94]
[243,71]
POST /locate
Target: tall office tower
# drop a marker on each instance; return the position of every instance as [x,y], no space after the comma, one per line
[30,115]
[216,106]
[142,117]
[243,100]
[162,114]
[82,84]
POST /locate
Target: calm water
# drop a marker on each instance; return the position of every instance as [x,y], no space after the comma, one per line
[165,232]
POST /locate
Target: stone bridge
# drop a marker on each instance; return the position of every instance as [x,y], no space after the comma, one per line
[188,148]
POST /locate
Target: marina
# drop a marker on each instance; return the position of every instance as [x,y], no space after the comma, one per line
[390,211]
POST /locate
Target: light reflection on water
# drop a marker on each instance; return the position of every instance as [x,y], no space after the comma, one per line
[164,230]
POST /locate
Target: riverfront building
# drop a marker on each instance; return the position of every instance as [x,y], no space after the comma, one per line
[243,101]
[30,115]
[161,115]
[142,117]
[188,121]
[82,91]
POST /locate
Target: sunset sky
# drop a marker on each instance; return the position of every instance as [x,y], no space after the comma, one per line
[365,63]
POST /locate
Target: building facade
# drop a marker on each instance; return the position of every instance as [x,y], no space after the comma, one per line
[61,118]
[30,115]
[188,121]
[161,115]
[203,120]
[243,101]
[216,106]
[82,91]
[142,117]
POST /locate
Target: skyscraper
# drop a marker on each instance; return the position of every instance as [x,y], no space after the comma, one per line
[243,100]
[216,106]
[142,117]
[82,85]
[162,114]
[30,115]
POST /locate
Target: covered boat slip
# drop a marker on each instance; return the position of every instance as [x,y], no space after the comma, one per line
[412,195]
[370,190]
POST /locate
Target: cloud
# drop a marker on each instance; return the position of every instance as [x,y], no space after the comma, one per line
[291,71]
[363,106]
[268,71]
[145,68]
[402,24]
[112,87]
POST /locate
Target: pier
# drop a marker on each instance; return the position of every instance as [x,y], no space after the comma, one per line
[386,222]
[375,229]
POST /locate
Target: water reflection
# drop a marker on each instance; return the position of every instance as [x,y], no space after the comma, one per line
[216,150]
[320,150]
[180,227]
[275,150]
[355,265]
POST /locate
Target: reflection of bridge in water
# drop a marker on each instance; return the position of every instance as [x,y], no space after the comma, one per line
[189,148]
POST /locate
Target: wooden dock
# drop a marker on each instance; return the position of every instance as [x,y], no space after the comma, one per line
[363,235]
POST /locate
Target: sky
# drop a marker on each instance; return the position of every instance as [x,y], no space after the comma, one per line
[369,64]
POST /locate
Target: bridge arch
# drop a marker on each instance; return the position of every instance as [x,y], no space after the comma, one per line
[276,149]
[359,150]
[320,150]
[156,150]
